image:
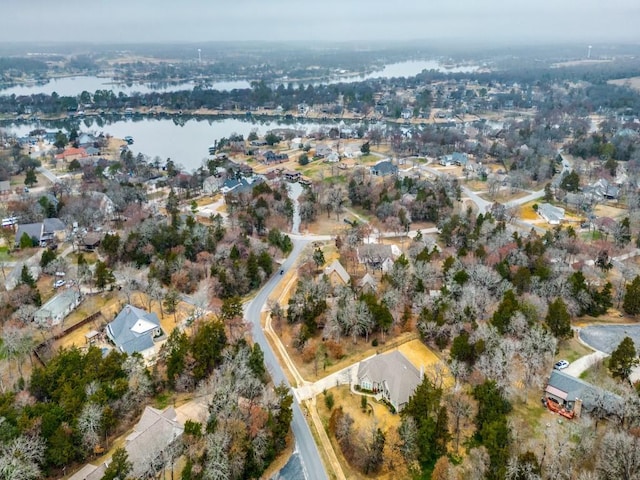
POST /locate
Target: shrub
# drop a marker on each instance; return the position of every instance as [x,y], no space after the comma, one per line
[329,401]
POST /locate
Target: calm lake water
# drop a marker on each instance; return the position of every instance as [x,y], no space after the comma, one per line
[71,86]
[186,143]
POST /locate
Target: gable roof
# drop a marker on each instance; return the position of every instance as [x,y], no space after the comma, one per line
[384,167]
[337,267]
[155,431]
[58,304]
[396,371]
[368,280]
[569,388]
[70,152]
[89,472]
[375,253]
[34,230]
[53,225]
[132,330]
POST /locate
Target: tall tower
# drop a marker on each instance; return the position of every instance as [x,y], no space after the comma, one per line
[589,52]
[200,55]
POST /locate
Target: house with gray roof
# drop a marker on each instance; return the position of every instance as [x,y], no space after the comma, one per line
[392,375]
[5,187]
[156,431]
[384,168]
[89,472]
[58,307]
[575,395]
[41,233]
[553,215]
[135,330]
[377,256]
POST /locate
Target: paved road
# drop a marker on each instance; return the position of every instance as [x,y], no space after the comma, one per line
[49,174]
[304,440]
[606,338]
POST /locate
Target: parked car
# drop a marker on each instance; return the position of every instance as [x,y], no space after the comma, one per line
[561,365]
[59,283]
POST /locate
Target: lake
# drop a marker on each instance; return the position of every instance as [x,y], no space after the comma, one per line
[72,86]
[185,142]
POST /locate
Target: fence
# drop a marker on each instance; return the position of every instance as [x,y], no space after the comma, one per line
[40,350]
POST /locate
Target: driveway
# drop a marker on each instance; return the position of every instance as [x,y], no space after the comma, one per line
[582,364]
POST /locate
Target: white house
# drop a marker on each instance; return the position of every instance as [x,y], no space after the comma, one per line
[58,307]
[553,215]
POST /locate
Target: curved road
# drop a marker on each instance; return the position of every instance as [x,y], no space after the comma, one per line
[306,445]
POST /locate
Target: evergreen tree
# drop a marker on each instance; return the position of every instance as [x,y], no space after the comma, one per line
[431,421]
[30,178]
[623,359]
[119,467]
[558,319]
[502,317]
[631,302]
[103,275]
[26,277]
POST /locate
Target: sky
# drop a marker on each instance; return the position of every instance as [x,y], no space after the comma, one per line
[502,22]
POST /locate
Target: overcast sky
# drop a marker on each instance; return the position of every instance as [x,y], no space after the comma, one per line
[502,21]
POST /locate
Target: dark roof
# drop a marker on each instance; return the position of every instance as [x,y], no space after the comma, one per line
[385,167]
[132,329]
[53,225]
[34,230]
[573,388]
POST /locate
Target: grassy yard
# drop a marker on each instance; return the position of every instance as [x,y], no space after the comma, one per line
[572,349]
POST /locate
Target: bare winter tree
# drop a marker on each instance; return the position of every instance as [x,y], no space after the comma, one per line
[619,456]
[89,423]
[20,458]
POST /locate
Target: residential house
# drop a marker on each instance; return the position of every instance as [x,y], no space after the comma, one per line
[384,168]
[378,256]
[233,187]
[323,151]
[92,241]
[270,156]
[392,376]
[134,331]
[337,274]
[58,307]
[368,284]
[41,233]
[156,431]
[602,190]
[553,215]
[89,472]
[71,153]
[5,187]
[574,395]
[291,176]
[456,158]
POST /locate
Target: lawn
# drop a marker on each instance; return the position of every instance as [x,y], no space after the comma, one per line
[572,349]
[376,414]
